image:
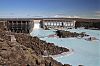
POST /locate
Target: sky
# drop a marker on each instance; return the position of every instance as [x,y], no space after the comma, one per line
[50,8]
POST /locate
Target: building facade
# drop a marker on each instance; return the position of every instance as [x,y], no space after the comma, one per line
[58,23]
[26,25]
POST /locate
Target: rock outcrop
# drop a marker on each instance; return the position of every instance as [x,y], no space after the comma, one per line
[25,50]
[39,45]
[64,34]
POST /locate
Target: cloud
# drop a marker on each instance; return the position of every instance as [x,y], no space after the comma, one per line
[63,16]
[97,13]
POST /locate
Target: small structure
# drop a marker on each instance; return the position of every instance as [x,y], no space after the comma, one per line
[45,53]
[13,39]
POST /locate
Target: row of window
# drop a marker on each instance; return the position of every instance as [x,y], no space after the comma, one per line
[60,23]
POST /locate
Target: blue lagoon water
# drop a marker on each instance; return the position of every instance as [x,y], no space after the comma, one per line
[85,53]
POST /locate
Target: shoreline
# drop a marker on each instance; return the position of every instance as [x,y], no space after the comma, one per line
[70,52]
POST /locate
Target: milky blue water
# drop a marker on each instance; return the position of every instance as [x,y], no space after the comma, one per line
[86,53]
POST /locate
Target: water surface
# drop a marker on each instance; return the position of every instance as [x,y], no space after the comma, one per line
[86,53]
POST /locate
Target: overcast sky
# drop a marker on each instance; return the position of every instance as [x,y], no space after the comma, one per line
[50,8]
